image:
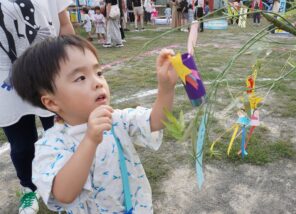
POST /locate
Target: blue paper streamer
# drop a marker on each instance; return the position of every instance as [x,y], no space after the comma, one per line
[199,150]
[243,141]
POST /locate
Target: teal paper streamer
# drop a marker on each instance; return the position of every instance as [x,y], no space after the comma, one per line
[199,150]
[243,141]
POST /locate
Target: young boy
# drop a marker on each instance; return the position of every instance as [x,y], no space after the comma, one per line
[76,166]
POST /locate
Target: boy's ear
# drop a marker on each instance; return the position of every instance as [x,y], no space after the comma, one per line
[49,102]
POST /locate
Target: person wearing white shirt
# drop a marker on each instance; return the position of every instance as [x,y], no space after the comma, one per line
[25,23]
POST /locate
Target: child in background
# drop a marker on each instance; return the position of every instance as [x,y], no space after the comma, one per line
[99,21]
[154,14]
[87,23]
[168,13]
[76,166]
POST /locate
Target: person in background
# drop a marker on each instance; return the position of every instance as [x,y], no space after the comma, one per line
[100,23]
[147,11]
[24,23]
[190,15]
[138,13]
[256,15]
[275,9]
[174,14]
[113,36]
[87,23]
[168,13]
[154,14]
[207,8]
[184,12]
[122,9]
[199,13]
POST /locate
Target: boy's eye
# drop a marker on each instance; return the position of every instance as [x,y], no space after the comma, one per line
[99,73]
[79,79]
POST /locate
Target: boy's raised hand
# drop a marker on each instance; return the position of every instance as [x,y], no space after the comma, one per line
[99,120]
[166,74]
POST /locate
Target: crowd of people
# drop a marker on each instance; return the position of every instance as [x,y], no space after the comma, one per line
[177,13]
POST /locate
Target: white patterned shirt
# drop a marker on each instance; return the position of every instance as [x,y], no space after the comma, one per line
[103,191]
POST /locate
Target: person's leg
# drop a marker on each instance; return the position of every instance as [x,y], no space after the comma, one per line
[136,18]
[142,21]
[108,35]
[121,29]
[145,16]
[142,17]
[115,32]
[22,136]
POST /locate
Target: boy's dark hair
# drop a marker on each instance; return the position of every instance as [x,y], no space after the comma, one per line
[97,8]
[168,5]
[34,72]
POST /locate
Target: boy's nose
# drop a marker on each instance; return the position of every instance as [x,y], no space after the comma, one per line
[98,83]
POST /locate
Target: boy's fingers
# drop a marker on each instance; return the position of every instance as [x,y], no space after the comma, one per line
[164,55]
[102,111]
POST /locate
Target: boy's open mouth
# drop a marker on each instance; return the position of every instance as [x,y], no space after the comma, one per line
[101,98]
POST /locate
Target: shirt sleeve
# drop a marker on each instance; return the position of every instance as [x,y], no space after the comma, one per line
[52,153]
[63,4]
[138,124]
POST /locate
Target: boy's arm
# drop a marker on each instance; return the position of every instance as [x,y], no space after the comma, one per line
[70,180]
[167,78]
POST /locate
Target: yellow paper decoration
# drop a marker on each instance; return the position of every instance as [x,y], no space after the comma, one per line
[181,69]
[254,101]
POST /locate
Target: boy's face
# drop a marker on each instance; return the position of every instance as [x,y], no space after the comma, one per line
[80,87]
[98,11]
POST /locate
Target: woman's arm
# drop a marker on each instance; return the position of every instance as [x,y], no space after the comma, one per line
[108,9]
[66,26]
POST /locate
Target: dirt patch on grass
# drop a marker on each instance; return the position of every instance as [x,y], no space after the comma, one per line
[231,189]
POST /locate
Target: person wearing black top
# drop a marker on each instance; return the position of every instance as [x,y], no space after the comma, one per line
[138,11]
[184,10]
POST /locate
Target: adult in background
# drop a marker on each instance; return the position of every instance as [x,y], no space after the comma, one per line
[147,11]
[184,12]
[138,12]
[199,13]
[122,8]
[174,14]
[24,23]
[113,27]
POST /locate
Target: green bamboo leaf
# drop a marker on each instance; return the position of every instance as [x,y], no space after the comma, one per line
[174,126]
